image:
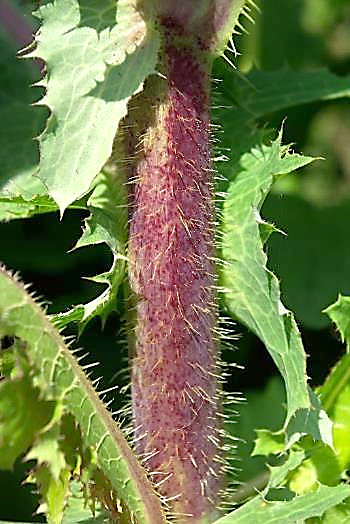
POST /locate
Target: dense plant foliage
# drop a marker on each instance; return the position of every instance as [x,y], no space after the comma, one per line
[129,117]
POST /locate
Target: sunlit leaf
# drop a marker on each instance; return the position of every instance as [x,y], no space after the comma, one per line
[339,313]
[90,79]
[251,291]
[301,507]
[335,392]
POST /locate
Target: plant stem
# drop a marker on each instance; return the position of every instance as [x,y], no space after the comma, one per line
[171,247]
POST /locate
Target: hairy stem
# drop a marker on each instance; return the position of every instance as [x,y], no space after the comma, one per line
[171,247]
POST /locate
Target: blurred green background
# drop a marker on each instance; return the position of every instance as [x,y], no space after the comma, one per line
[312,207]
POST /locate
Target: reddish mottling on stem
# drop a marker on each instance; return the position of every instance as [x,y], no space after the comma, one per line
[174,388]
[203,19]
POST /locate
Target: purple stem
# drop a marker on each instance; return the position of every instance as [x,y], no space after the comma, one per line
[174,384]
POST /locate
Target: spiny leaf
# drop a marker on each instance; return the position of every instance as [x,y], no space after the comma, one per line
[307,463]
[320,463]
[226,21]
[339,313]
[107,223]
[90,79]
[251,291]
[102,305]
[46,451]
[335,392]
[312,421]
[19,153]
[59,377]
[54,492]
[241,100]
[301,507]
[22,415]
[26,420]
[77,511]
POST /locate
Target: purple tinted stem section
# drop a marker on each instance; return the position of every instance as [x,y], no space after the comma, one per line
[174,385]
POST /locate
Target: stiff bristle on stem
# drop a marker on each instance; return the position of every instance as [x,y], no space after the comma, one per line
[175,372]
[171,248]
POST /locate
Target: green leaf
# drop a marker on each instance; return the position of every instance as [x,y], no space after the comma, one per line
[90,79]
[107,223]
[320,466]
[22,414]
[301,507]
[78,512]
[46,451]
[335,396]
[340,415]
[263,92]
[54,492]
[339,313]
[278,474]
[339,514]
[241,100]
[268,442]
[91,14]
[19,153]
[12,207]
[56,371]
[251,291]
[335,392]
